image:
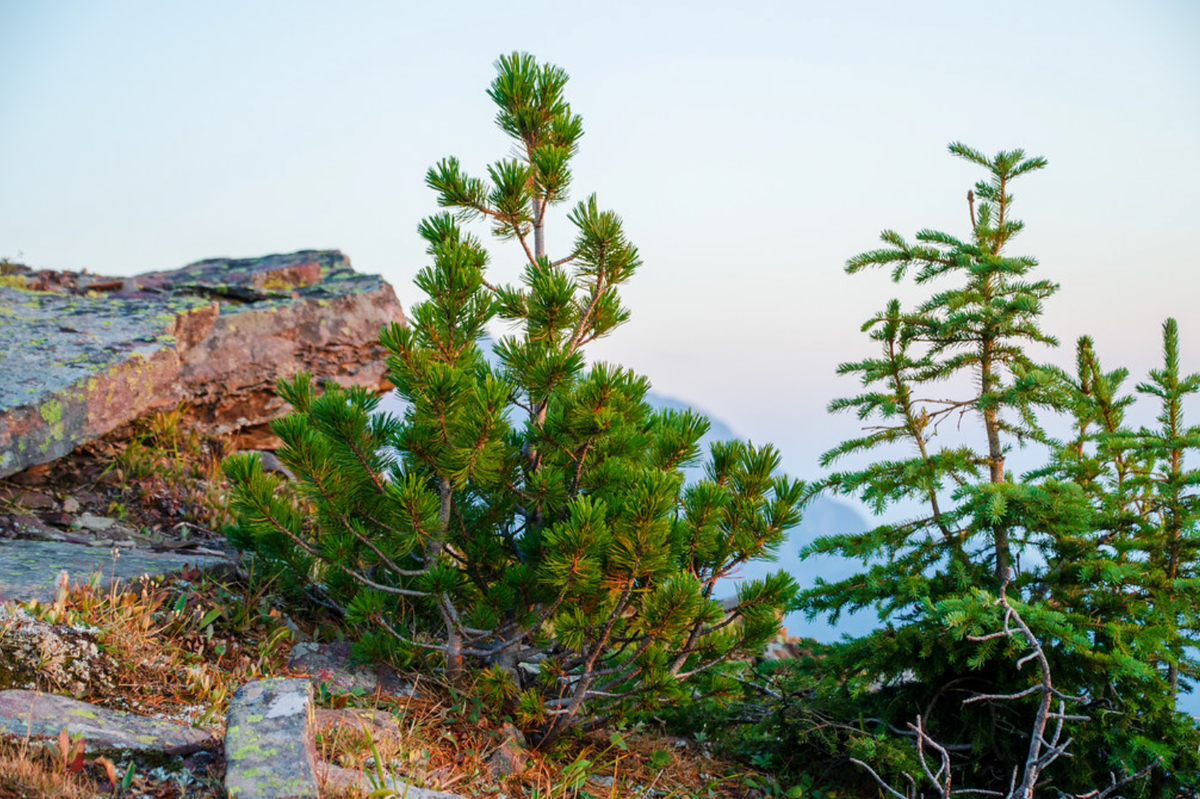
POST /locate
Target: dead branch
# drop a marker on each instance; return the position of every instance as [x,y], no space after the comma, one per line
[1042,750]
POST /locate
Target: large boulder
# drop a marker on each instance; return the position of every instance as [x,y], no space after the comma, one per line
[81,355]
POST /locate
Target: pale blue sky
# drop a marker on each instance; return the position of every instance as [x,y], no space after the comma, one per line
[751,151]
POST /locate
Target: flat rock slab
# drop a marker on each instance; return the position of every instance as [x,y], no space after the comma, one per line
[333,776]
[44,716]
[270,741]
[334,665]
[33,569]
[79,361]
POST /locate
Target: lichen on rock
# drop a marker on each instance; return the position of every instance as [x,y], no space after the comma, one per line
[215,335]
[35,654]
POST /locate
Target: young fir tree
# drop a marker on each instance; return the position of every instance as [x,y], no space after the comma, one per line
[952,391]
[1170,510]
[1131,576]
[531,516]
[970,337]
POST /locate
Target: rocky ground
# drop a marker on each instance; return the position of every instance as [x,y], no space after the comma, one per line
[138,656]
[135,650]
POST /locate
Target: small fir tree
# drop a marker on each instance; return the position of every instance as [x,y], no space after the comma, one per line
[528,516]
[1073,557]
[970,336]
[1132,575]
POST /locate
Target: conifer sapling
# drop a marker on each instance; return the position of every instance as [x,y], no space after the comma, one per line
[527,515]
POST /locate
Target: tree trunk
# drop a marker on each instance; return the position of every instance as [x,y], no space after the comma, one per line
[539,228]
[995,455]
[454,642]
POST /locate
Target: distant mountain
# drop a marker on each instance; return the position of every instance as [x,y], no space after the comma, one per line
[717,431]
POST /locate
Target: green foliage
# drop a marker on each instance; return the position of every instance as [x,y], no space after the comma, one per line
[1098,548]
[788,719]
[529,515]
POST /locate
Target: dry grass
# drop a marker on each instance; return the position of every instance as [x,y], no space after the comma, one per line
[29,771]
[180,649]
[167,472]
[177,649]
[441,748]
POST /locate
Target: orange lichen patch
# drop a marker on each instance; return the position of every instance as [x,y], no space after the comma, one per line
[290,277]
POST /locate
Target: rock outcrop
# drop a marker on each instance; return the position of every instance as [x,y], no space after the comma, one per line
[81,355]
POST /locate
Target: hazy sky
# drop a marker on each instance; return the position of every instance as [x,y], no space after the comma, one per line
[751,150]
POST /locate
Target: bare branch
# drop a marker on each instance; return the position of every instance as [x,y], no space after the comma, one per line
[1042,752]
[879,780]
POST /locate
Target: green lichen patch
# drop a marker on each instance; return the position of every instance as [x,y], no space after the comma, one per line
[51,411]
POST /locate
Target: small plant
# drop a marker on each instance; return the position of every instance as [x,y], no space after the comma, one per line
[120,786]
[70,752]
[172,468]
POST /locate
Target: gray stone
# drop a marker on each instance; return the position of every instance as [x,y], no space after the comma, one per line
[33,569]
[332,776]
[355,721]
[272,464]
[96,524]
[29,527]
[508,760]
[44,716]
[334,665]
[270,746]
[35,500]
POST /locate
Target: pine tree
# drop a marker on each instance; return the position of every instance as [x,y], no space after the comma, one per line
[530,517]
